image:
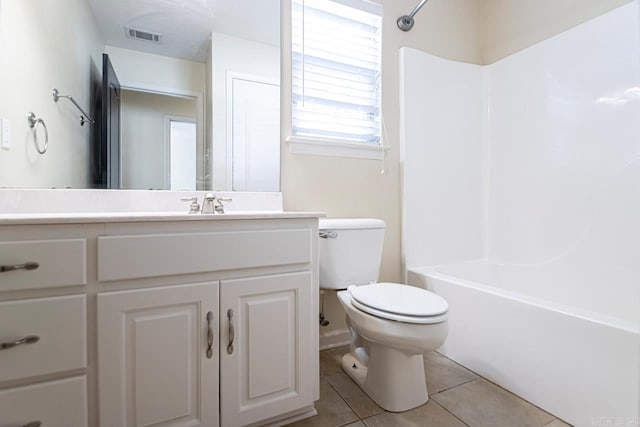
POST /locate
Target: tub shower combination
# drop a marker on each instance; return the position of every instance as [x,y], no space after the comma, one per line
[522,210]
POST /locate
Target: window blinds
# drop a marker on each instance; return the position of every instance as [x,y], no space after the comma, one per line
[336,55]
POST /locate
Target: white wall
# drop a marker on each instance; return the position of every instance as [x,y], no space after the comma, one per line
[234,55]
[143,129]
[561,167]
[46,45]
[444,109]
[138,69]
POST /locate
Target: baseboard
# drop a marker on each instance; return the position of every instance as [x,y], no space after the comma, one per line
[333,339]
[282,420]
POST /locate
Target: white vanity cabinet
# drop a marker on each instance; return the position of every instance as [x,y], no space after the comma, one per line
[149,338]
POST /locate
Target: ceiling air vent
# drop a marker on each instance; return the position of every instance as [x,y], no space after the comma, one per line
[135,33]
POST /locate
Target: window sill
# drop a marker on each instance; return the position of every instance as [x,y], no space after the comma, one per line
[323,147]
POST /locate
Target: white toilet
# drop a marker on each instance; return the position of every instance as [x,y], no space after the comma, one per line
[391,325]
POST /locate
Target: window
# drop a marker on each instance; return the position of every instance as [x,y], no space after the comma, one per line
[336,54]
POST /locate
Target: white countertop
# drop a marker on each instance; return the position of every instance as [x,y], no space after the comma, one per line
[108,217]
[69,206]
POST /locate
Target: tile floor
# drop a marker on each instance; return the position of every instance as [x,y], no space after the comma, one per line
[458,397]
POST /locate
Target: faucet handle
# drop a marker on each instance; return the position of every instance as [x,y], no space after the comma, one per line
[194,208]
[219,205]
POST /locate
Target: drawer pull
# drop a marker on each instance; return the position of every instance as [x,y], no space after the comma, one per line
[33,424]
[25,266]
[232,332]
[31,339]
[209,335]
[328,234]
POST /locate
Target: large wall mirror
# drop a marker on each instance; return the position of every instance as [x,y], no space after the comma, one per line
[151,94]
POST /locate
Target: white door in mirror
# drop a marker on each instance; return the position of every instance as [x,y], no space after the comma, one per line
[5,134]
[255,136]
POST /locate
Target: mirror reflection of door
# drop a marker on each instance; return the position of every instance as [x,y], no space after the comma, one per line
[107,152]
[153,126]
[255,134]
[180,167]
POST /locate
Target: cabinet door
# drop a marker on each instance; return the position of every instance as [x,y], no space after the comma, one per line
[153,366]
[268,370]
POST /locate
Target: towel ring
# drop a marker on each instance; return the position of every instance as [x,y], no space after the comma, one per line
[33,123]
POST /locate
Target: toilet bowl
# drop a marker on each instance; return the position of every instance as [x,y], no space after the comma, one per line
[391,325]
[386,355]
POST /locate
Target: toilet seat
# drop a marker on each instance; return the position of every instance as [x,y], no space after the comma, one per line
[398,302]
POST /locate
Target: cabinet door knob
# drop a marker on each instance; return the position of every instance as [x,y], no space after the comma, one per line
[209,335]
[31,339]
[25,266]
[232,332]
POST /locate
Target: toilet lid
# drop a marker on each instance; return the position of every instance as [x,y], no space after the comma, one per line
[399,299]
[398,317]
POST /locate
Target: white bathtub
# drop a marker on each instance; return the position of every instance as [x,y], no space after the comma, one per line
[580,364]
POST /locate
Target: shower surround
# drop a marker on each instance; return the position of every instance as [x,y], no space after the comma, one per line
[521,207]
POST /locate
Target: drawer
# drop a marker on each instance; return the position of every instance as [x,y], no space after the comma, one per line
[60,325]
[60,403]
[60,263]
[133,257]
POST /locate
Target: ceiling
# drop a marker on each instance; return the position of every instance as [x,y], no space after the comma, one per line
[186,25]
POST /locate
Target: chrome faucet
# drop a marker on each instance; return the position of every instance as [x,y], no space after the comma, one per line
[211,204]
[208,204]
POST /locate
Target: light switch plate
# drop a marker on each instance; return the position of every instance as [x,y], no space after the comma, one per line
[5,134]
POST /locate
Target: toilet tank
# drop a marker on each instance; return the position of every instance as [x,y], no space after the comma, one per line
[351,253]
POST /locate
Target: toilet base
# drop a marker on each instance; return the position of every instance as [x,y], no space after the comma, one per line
[393,379]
